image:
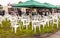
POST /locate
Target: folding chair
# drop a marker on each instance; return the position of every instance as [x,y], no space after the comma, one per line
[26,21]
[38,23]
[7,17]
[14,23]
[55,20]
[1,19]
[14,26]
[35,23]
[46,19]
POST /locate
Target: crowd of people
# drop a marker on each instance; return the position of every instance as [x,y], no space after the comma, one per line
[28,12]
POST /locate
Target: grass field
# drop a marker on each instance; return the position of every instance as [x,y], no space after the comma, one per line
[6,30]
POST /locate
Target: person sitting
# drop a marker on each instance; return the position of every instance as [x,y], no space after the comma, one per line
[43,13]
[19,12]
[46,13]
[33,13]
[3,12]
[27,11]
[9,12]
[39,12]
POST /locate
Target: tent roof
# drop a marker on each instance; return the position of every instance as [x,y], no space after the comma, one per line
[33,3]
[50,5]
[29,4]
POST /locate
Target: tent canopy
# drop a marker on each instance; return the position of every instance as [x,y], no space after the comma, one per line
[33,3]
[30,3]
[49,5]
[58,7]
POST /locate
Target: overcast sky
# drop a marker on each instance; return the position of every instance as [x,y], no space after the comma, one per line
[54,2]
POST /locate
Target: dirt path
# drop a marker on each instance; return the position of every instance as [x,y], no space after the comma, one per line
[56,35]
